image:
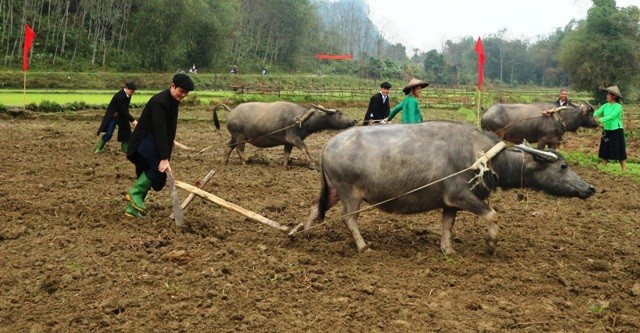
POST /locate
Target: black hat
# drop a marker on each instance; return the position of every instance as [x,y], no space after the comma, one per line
[131,86]
[385,85]
[183,81]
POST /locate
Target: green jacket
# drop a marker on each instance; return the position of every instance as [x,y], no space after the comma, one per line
[410,110]
[610,115]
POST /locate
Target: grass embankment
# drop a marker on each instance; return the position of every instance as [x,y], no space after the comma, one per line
[96,89]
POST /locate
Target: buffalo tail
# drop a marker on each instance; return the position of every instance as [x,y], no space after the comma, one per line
[216,122]
[324,196]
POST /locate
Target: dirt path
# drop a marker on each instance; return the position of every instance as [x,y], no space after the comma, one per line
[71,262]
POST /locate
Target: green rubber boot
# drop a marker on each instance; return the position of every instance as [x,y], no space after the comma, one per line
[100,146]
[138,192]
[124,147]
[132,212]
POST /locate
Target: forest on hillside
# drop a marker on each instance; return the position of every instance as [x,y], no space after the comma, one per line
[285,35]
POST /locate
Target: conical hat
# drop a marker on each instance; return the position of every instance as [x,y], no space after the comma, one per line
[613,89]
[414,83]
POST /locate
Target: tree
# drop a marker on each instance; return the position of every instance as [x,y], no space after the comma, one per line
[604,49]
[434,67]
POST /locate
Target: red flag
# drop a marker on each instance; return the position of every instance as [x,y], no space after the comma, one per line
[334,56]
[480,51]
[29,35]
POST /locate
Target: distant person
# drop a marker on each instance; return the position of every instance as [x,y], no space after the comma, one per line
[265,70]
[562,98]
[612,143]
[234,69]
[117,114]
[378,109]
[152,142]
[410,106]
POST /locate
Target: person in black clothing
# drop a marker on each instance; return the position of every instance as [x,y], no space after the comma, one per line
[117,114]
[152,141]
[562,98]
[378,109]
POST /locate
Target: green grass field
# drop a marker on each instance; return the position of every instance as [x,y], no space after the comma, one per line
[17,98]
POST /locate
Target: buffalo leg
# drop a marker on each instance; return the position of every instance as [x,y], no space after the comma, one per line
[448,219]
[351,220]
[300,145]
[287,154]
[476,206]
[492,231]
[240,151]
[229,149]
[315,214]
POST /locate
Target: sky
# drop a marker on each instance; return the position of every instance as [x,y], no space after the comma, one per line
[428,24]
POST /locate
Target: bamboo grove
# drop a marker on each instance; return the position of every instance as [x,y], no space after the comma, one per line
[284,35]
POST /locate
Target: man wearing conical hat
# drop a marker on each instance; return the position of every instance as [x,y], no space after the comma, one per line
[609,115]
[410,106]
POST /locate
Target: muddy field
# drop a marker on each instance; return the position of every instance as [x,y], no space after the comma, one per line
[72,262]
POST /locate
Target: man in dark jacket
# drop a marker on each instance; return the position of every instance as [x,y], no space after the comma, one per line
[152,141]
[378,109]
[563,100]
[117,114]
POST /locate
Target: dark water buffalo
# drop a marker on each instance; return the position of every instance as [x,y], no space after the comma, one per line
[515,122]
[378,163]
[275,124]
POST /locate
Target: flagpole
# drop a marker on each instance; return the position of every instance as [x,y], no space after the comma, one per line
[24,92]
[478,107]
[29,35]
[481,57]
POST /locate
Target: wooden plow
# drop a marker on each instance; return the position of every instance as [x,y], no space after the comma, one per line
[196,190]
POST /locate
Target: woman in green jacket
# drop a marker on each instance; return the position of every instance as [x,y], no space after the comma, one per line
[609,115]
[409,106]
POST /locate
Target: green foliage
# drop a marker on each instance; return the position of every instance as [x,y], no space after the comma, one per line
[470,116]
[591,160]
[45,106]
[604,50]
[434,67]
[3,108]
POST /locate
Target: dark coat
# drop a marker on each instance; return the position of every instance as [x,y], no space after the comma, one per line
[159,120]
[119,109]
[569,103]
[377,110]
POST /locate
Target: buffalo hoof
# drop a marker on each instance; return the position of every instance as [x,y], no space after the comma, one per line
[491,248]
[365,249]
[448,251]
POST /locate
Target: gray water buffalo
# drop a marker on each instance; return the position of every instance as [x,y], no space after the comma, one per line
[275,124]
[539,122]
[392,166]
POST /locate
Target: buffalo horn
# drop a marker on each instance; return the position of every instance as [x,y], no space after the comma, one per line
[321,108]
[545,155]
[591,106]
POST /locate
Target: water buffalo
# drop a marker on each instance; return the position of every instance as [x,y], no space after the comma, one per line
[388,166]
[280,123]
[515,122]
